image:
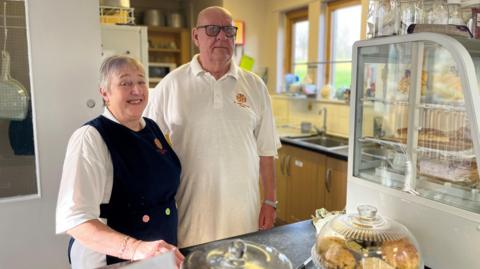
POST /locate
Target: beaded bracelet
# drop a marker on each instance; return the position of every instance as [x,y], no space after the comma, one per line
[124,245]
[135,250]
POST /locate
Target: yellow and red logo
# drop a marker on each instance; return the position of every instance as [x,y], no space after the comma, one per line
[159,146]
[241,100]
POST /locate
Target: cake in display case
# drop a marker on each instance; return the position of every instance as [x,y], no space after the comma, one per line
[365,240]
[415,115]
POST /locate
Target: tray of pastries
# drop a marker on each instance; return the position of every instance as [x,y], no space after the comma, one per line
[458,140]
[462,172]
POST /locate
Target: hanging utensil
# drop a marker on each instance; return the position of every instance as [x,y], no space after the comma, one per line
[13,95]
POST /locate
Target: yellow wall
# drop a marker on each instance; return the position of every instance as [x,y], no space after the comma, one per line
[292,111]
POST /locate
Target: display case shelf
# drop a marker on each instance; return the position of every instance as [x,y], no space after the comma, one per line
[423,105]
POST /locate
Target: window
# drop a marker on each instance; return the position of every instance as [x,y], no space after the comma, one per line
[343,29]
[297,43]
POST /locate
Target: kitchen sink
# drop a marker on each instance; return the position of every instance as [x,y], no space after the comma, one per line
[325,141]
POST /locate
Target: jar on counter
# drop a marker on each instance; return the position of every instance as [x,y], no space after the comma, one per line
[383,18]
[411,12]
[455,12]
[436,12]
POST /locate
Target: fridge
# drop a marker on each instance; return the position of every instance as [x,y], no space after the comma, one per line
[414,140]
[126,40]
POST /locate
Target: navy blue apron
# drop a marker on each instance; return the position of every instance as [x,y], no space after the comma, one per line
[146,176]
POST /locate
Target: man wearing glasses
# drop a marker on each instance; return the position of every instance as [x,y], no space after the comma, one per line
[220,123]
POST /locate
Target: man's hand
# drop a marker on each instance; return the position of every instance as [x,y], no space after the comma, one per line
[267,217]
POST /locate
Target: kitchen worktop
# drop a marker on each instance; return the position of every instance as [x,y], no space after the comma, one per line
[294,240]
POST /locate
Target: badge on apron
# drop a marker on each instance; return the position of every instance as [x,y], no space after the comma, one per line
[159,146]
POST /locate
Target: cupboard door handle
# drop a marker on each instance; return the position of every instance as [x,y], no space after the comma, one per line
[287,165]
[282,165]
[328,179]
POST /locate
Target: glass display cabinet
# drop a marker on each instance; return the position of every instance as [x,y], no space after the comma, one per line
[415,142]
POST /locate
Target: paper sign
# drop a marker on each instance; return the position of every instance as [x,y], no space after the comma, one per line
[246,62]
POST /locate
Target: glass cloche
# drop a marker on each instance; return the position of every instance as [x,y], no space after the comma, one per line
[365,240]
[237,254]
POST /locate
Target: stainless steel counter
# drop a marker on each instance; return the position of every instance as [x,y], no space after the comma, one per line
[294,240]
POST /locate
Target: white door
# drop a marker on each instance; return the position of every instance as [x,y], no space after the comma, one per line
[64,57]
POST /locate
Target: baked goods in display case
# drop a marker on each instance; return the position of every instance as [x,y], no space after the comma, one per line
[365,240]
[447,87]
[404,84]
[437,139]
[459,171]
[439,87]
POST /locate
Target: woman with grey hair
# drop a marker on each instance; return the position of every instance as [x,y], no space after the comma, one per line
[120,177]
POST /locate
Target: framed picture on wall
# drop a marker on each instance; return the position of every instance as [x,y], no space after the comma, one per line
[240,39]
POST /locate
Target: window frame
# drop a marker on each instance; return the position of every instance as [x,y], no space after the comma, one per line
[330,8]
[292,17]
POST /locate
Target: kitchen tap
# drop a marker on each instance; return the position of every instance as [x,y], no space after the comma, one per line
[323,130]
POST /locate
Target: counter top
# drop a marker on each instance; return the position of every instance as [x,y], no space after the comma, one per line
[294,240]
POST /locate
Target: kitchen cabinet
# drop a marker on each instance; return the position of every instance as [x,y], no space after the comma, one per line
[308,180]
[168,45]
[335,184]
[281,187]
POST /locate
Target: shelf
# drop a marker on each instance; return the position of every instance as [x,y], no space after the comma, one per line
[385,101]
[164,50]
[162,29]
[457,107]
[464,154]
[154,80]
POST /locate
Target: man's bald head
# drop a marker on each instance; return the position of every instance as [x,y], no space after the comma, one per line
[214,11]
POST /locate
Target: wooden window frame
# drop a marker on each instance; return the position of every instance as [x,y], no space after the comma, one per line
[331,7]
[292,17]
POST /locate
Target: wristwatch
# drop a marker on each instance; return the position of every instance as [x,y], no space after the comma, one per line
[271,203]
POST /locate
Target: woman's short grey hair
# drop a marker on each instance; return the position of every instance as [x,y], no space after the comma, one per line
[113,64]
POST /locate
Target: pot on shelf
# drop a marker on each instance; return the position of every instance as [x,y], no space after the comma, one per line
[153,17]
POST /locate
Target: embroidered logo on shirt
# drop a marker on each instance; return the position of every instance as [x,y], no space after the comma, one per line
[241,100]
[159,146]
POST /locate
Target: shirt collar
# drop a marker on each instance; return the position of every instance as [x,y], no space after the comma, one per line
[107,114]
[198,69]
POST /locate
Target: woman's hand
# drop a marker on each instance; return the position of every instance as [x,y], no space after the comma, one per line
[145,249]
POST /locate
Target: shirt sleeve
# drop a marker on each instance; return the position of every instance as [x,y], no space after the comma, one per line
[267,139]
[87,179]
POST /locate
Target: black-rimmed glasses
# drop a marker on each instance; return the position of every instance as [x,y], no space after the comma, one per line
[214,30]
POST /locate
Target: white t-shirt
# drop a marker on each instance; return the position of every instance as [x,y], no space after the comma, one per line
[218,129]
[87,181]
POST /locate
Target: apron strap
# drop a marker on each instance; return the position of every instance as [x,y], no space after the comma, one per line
[70,244]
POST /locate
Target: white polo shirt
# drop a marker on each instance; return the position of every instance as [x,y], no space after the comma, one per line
[218,129]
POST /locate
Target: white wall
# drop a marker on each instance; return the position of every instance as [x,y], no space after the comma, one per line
[64,59]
